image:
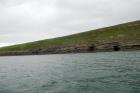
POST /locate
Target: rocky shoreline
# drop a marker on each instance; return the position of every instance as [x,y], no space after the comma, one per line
[79,48]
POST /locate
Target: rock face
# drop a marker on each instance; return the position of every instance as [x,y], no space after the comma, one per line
[101,46]
[120,37]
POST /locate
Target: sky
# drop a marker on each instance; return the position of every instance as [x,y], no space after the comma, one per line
[31,20]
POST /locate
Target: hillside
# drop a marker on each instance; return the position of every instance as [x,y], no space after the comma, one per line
[124,33]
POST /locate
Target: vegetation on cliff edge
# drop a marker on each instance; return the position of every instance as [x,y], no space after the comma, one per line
[123,32]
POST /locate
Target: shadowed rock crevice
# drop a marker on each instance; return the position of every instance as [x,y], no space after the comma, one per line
[91,48]
[116,48]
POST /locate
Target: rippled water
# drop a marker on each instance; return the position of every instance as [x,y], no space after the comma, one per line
[108,72]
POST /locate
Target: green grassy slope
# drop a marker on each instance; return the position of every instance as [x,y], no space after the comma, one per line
[123,32]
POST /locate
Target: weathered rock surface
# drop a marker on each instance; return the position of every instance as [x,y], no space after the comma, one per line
[100,46]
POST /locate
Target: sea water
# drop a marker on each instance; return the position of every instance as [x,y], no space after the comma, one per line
[104,72]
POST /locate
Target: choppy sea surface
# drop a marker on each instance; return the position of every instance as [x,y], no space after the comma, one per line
[106,72]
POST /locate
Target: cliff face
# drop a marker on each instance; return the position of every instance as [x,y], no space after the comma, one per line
[115,38]
[80,48]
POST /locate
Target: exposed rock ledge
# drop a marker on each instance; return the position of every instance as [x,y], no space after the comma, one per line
[80,48]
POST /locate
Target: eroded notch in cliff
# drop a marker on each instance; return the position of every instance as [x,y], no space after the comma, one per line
[116,48]
[91,48]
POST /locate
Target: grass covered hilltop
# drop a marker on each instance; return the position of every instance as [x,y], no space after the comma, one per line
[119,37]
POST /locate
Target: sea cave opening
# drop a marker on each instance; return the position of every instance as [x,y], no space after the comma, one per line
[91,48]
[116,48]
